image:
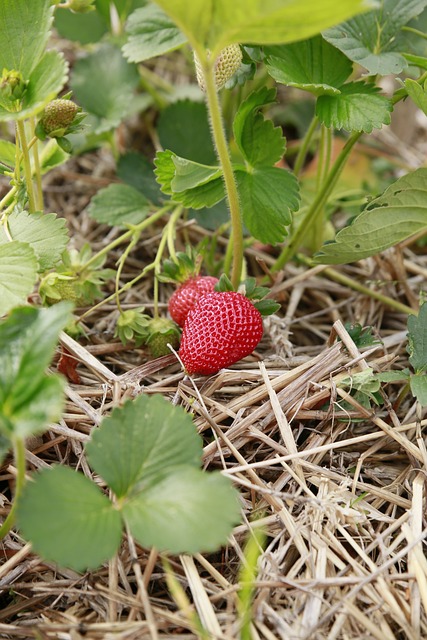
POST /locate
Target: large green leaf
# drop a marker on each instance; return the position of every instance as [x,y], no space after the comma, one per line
[312,65]
[24,32]
[214,24]
[151,33]
[119,205]
[45,233]
[358,107]
[104,83]
[260,142]
[18,274]
[187,512]
[138,172]
[417,340]
[141,441]
[68,520]
[183,128]
[268,195]
[373,39]
[396,215]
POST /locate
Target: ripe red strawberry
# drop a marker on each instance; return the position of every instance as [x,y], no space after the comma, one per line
[221,329]
[186,296]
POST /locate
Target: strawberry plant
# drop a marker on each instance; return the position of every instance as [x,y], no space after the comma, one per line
[215,148]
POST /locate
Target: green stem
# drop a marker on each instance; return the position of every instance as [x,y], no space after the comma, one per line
[37,170]
[220,141]
[4,201]
[317,204]
[27,166]
[305,145]
[158,259]
[123,258]
[19,455]
[336,276]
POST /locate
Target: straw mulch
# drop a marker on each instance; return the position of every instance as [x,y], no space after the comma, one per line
[338,487]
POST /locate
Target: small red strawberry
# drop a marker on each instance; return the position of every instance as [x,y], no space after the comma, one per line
[187,295]
[221,329]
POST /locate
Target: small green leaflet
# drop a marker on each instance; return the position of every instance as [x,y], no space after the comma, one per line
[358,107]
[373,39]
[18,274]
[68,520]
[312,65]
[119,205]
[396,215]
[214,24]
[44,232]
[260,142]
[268,195]
[418,384]
[417,93]
[151,33]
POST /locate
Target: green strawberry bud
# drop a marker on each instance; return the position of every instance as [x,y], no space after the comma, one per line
[162,332]
[226,65]
[58,116]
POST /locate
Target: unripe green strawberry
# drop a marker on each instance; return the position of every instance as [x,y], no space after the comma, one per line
[162,332]
[221,329]
[55,287]
[187,295]
[58,115]
[226,65]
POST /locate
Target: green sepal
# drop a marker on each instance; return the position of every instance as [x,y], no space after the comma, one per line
[267,307]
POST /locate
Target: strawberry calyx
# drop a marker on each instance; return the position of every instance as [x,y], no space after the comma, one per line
[185,266]
[255,293]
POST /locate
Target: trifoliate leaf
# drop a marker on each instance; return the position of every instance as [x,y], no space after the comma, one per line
[312,65]
[103,83]
[18,274]
[358,107]
[268,195]
[141,442]
[260,142]
[214,24]
[119,205]
[45,233]
[68,520]
[151,33]
[188,512]
[183,128]
[417,340]
[396,215]
[373,39]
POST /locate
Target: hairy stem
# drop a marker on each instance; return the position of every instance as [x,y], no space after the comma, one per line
[220,141]
[27,165]
[19,455]
[305,145]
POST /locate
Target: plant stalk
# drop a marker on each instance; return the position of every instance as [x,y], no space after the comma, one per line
[220,141]
[27,165]
[19,456]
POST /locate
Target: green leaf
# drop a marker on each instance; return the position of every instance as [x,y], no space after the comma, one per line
[188,512]
[28,398]
[393,376]
[103,83]
[45,82]
[151,33]
[183,128]
[210,189]
[312,65]
[68,520]
[7,156]
[358,107]
[417,340]
[260,142]
[214,24]
[396,215]
[24,32]
[138,172]
[373,39]
[45,233]
[419,388]
[84,28]
[141,441]
[52,156]
[18,274]
[268,195]
[119,205]
[417,93]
